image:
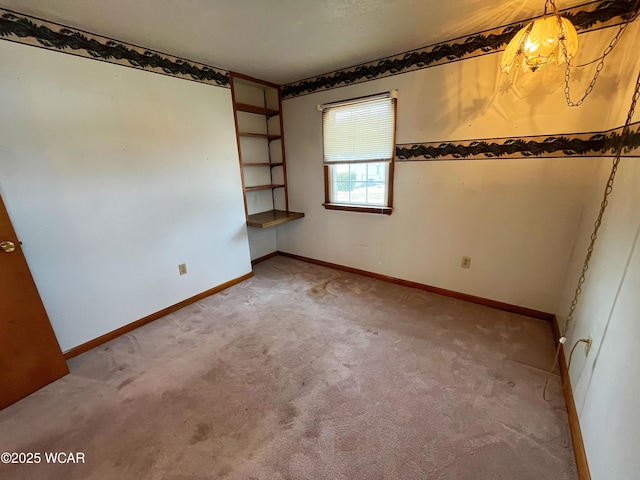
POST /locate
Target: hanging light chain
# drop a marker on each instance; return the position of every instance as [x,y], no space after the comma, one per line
[599,67]
[603,206]
[567,73]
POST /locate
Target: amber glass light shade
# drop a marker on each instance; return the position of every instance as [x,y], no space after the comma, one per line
[540,43]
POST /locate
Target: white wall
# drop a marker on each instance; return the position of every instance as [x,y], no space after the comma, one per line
[112,177]
[516,219]
[262,241]
[605,383]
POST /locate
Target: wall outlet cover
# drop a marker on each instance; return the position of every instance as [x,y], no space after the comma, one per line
[588,345]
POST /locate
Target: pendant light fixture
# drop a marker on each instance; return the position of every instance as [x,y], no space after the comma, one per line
[549,39]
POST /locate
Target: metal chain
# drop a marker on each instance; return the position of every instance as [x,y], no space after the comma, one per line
[603,206]
[567,73]
[553,6]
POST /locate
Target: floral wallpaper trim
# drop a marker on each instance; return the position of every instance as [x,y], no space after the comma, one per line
[591,16]
[601,144]
[20,28]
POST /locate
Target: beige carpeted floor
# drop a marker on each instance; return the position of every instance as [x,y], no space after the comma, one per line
[304,372]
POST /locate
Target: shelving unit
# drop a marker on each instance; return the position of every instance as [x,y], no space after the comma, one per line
[272,218]
[262,164]
[262,187]
[259,135]
[245,107]
[257,107]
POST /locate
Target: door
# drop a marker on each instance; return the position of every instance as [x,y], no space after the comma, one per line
[30,356]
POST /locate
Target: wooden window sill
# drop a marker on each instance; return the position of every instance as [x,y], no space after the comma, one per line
[358,208]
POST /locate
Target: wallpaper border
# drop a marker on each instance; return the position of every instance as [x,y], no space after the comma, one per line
[587,17]
[598,144]
[20,28]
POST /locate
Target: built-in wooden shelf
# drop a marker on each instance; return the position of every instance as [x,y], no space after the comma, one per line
[245,107]
[262,187]
[262,164]
[259,135]
[264,101]
[272,218]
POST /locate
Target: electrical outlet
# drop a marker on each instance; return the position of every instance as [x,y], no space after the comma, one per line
[588,345]
[466,262]
[182,268]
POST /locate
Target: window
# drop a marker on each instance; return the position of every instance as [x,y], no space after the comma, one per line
[359,145]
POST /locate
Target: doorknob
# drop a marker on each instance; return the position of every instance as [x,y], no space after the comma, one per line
[7,246]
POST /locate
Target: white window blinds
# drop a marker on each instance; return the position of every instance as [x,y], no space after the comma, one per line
[361,130]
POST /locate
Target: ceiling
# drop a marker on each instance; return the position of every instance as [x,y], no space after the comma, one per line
[282,40]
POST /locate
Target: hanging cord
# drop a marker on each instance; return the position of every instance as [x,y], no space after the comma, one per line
[564,384]
[594,236]
[550,372]
[614,41]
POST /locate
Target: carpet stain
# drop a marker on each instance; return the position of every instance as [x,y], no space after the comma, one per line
[288,415]
[319,291]
[349,443]
[214,373]
[201,433]
[313,431]
[126,382]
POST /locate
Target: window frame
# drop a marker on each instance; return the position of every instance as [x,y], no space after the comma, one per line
[354,207]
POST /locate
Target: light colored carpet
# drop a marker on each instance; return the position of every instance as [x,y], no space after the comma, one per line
[304,372]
